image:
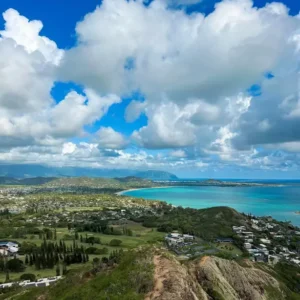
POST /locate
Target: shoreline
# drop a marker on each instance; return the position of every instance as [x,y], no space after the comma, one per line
[137,189]
[225,185]
[290,215]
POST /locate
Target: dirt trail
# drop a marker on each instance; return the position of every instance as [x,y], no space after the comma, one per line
[159,276]
[173,282]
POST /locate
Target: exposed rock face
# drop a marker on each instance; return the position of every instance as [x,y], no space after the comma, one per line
[230,280]
[173,281]
[211,278]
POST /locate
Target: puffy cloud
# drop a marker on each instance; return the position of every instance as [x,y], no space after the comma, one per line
[27,75]
[288,146]
[63,120]
[189,68]
[168,127]
[110,139]
[175,54]
[201,164]
[134,110]
[178,153]
[26,33]
[26,80]
[272,117]
[194,71]
[28,65]
[81,110]
[68,148]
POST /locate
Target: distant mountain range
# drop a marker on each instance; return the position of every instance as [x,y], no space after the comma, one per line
[25,181]
[14,172]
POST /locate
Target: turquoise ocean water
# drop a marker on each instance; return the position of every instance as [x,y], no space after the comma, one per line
[279,202]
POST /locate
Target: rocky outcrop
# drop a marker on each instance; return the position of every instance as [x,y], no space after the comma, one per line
[228,280]
[173,281]
[211,278]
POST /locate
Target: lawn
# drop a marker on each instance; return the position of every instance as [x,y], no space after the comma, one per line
[228,248]
[141,235]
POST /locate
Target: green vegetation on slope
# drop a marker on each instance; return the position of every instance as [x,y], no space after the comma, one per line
[205,223]
[130,280]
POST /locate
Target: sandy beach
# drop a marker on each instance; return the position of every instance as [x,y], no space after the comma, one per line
[153,187]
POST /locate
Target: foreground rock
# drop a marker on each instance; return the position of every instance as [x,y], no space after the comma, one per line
[211,278]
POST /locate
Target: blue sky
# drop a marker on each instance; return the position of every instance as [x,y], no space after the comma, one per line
[201,89]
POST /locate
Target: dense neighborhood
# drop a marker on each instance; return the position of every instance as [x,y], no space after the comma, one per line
[269,241]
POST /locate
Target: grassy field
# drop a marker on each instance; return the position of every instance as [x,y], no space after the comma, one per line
[228,248]
[141,236]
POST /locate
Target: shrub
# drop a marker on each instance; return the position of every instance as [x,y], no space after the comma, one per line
[93,240]
[101,251]
[68,237]
[15,265]
[115,243]
[91,250]
[28,276]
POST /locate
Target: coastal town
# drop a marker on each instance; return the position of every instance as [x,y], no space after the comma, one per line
[269,241]
[263,239]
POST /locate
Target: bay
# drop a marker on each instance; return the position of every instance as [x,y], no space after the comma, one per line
[279,202]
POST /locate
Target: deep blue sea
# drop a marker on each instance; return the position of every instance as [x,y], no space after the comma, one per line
[279,202]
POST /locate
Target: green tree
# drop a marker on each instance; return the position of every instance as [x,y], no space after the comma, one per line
[96,261]
[64,270]
[7,276]
[57,270]
[115,243]
[15,265]
[37,262]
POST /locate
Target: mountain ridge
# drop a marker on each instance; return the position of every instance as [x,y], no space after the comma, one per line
[22,171]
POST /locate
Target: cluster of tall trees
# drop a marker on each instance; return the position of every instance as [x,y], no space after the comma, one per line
[102,228]
[50,254]
[88,239]
[16,232]
[48,234]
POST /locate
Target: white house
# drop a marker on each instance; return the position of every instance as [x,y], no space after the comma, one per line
[188,237]
[8,248]
[247,245]
[175,235]
[265,241]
